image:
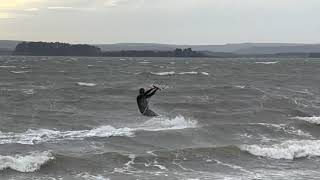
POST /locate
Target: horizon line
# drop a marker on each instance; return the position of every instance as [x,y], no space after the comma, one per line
[172,44]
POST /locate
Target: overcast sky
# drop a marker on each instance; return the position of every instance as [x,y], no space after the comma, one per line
[161,21]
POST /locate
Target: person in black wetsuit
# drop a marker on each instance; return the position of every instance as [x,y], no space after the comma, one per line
[142,100]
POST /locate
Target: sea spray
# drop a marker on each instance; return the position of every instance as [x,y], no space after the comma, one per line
[46,135]
[287,150]
[27,163]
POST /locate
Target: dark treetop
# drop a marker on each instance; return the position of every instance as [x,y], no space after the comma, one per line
[55,49]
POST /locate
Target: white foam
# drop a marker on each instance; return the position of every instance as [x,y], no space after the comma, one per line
[7,66]
[286,150]
[163,73]
[44,135]
[28,91]
[47,135]
[88,176]
[86,84]
[160,167]
[180,73]
[27,163]
[231,166]
[313,120]
[144,62]
[127,167]
[164,123]
[191,72]
[271,62]
[241,87]
[19,72]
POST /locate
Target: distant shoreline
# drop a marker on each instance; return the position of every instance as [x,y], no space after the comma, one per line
[242,56]
[83,50]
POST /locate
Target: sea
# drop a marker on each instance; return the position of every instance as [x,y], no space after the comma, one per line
[76,118]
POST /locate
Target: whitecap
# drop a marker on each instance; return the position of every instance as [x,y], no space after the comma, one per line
[271,62]
[86,84]
[88,176]
[127,167]
[160,166]
[144,62]
[163,73]
[191,72]
[313,119]
[164,123]
[28,163]
[286,150]
[28,91]
[205,73]
[7,66]
[241,87]
[46,135]
[19,72]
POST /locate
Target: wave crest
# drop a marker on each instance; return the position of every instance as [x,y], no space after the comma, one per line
[270,62]
[86,84]
[286,150]
[163,73]
[44,135]
[313,119]
[27,163]
[163,123]
[179,73]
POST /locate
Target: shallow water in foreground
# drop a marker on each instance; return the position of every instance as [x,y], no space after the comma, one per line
[76,118]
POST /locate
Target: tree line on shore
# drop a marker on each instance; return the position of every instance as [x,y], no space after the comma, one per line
[55,49]
[64,49]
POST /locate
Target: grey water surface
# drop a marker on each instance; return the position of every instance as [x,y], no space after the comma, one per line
[76,118]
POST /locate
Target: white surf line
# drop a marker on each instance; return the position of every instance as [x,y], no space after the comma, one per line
[86,84]
[290,149]
[27,163]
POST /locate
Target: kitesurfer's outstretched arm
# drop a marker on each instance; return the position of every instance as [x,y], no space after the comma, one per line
[155,89]
[147,92]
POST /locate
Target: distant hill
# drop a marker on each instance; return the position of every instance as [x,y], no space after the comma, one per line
[308,48]
[242,48]
[8,45]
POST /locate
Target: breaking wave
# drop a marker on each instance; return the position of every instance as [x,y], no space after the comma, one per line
[164,123]
[88,176]
[28,163]
[179,73]
[19,72]
[286,150]
[271,62]
[313,119]
[7,66]
[44,135]
[191,72]
[163,73]
[86,84]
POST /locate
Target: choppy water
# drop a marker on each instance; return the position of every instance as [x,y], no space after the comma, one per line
[76,118]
